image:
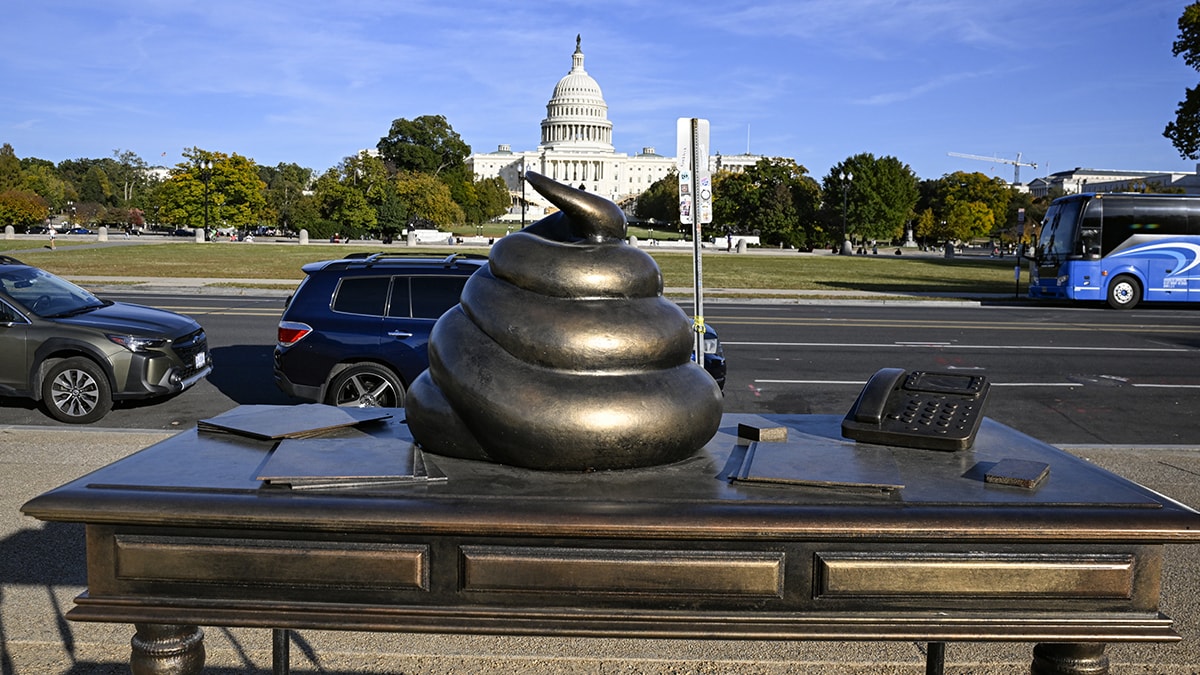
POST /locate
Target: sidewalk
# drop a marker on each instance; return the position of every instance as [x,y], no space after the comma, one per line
[43,570]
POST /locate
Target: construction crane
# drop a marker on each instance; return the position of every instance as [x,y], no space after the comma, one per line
[1017,164]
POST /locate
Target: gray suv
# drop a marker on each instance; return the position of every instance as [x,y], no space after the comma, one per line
[76,353]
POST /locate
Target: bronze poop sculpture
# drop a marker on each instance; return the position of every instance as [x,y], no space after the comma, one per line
[563,354]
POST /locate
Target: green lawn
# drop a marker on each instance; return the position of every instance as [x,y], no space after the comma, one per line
[785,270]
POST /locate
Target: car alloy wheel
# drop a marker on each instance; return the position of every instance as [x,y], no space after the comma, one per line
[366,385]
[76,391]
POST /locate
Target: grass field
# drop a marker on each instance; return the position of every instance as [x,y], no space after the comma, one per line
[761,270]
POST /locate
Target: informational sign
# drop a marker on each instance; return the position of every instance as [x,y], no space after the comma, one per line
[695,180]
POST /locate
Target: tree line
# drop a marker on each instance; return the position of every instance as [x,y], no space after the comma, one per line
[863,199]
[418,178]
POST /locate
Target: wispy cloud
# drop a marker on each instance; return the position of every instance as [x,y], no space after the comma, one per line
[921,89]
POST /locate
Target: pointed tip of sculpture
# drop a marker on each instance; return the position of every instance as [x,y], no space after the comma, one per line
[591,216]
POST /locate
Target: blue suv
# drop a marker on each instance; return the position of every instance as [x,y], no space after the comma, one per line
[356,331]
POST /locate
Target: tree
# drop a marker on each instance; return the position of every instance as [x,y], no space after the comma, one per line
[128,173]
[96,187]
[775,198]
[660,201]
[286,184]
[426,198]
[342,205]
[44,181]
[427,144]
[228,194]
[876,202]
[973,204]
[1184,132]
[21,208]
[391,217]
[493,198]
[10,168]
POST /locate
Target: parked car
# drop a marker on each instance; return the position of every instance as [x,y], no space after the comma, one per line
[79,230]
[183,232]
[714,356]
[356,331]
[76,353]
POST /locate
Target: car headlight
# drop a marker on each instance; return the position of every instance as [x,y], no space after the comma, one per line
[712,345]
[136,343]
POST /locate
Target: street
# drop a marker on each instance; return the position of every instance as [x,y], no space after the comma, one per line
[1065,375]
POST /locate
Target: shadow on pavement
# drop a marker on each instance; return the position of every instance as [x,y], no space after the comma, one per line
[245,374]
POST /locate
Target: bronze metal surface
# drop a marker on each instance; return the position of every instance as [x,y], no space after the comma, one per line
[564,355]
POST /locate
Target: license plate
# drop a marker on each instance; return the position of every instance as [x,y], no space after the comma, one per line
[201,359]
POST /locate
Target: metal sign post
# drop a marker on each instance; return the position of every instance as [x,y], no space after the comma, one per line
[695,208]
[1017,262]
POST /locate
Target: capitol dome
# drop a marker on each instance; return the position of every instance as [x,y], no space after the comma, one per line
[577,116]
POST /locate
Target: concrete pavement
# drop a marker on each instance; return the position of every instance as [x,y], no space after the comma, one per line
[43,570]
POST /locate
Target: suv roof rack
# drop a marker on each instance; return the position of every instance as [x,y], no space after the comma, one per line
[371,257]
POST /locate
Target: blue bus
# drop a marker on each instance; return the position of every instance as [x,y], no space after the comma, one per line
[1119,248]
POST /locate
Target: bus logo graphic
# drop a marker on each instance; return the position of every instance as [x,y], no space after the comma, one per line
[1185,254]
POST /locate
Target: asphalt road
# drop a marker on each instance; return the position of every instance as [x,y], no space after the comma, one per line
[1066,375]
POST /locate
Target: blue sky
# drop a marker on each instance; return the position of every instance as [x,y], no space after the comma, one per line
[1066,83]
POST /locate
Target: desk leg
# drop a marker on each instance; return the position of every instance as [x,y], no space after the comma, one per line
[164,649]
[1067,658]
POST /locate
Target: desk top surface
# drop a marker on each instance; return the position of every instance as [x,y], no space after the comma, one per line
[202,479]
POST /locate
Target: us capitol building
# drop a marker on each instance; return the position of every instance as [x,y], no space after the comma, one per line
[577,148]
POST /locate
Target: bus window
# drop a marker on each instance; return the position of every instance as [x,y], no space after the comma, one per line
[1125,218]
[1059,232]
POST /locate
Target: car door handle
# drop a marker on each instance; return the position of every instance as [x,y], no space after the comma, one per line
[399,334]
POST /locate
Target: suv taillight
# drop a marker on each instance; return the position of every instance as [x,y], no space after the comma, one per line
[291,332]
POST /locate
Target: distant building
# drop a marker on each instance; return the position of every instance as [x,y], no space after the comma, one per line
[1079,180]
[577,149]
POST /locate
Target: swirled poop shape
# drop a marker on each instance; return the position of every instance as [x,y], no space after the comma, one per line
[563,354]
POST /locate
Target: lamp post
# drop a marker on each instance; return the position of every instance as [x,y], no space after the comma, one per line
[206,166]
[521,177]
[846,177]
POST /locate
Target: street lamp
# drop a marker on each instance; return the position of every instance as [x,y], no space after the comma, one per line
[521,177]
[846,177]
[206,166]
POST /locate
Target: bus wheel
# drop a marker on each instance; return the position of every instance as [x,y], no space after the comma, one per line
[1124,292]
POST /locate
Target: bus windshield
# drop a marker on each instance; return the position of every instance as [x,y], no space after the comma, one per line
[1060,231]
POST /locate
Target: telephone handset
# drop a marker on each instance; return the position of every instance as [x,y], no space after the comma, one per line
[919,409]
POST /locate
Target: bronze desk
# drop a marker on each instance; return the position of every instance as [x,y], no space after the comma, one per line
[181,534]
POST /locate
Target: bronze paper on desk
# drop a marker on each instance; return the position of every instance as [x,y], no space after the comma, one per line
[335,463]
[812,462]
[273,422]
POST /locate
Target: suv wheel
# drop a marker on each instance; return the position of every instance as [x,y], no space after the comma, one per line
[76,391]
[366,385]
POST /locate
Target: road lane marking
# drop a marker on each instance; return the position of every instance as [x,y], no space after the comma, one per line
[946,345]
[994,384]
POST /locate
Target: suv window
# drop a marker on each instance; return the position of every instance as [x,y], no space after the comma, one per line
[422,297]
[362,295]
[433,296]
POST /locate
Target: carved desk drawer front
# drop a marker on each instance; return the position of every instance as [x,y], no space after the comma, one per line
[270,563]
[616,572]
[774,576]
[1081,577]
